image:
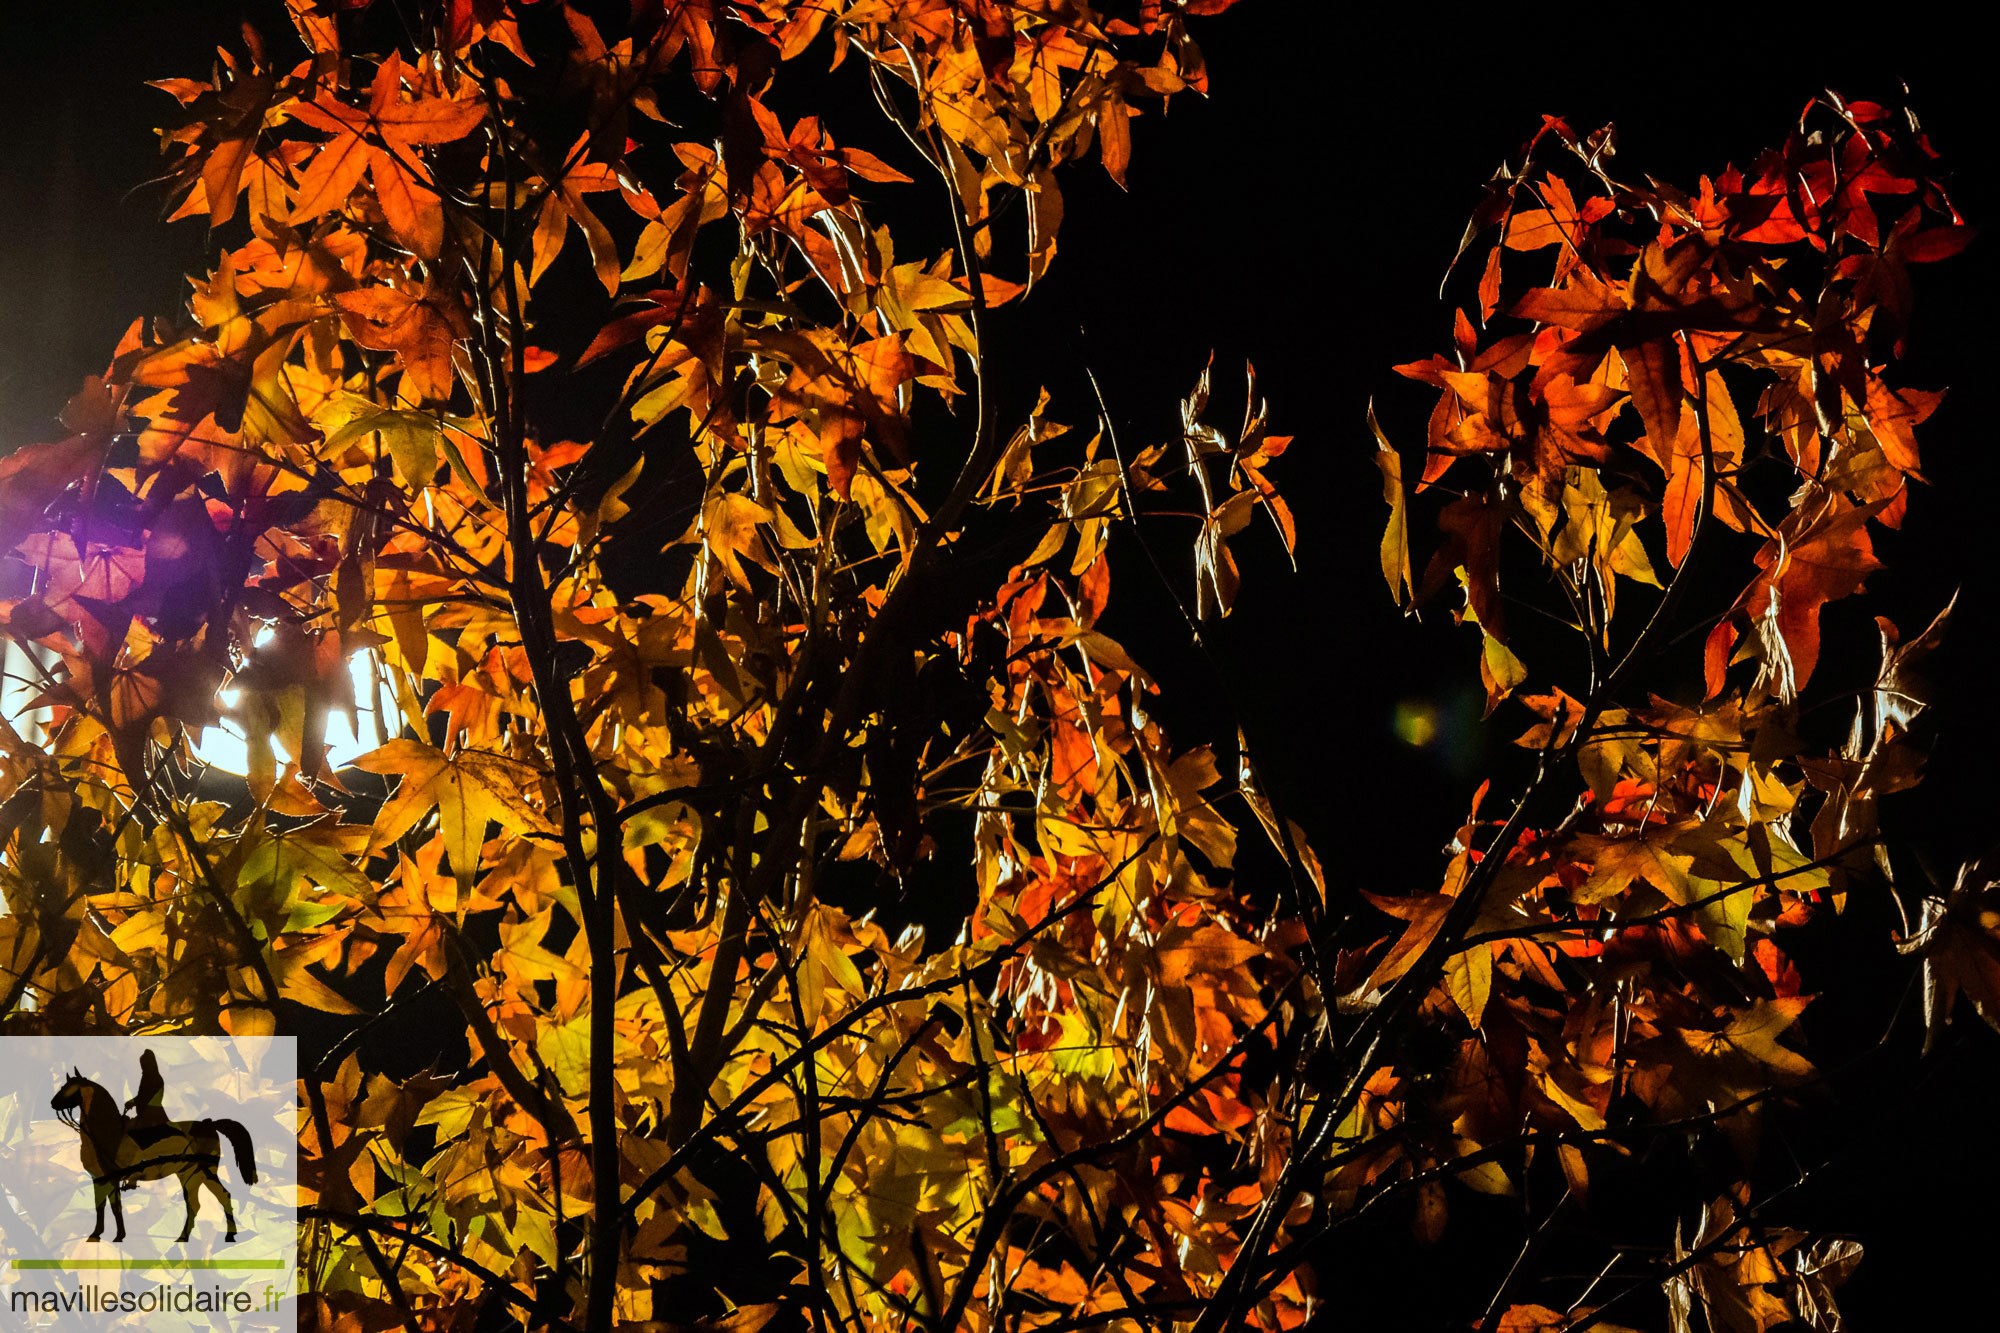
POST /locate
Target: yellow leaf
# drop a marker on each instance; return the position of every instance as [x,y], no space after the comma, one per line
[729,528]
[295,982]
[468,790]
[1500,671]
[1620,862]
[1396,537]
[1469,977]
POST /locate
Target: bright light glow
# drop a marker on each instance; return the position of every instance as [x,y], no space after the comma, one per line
[224,748]
[1415,723]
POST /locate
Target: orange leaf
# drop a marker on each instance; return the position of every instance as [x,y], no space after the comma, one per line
[418,327]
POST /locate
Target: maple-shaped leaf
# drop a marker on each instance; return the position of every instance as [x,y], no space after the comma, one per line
[213,404]
[232,120]
[1182,952]
[96,571]
[1820,1267]
[1425,914]
[1618,862]
[809,148]
[649,311]
[1686,473]
[1472,527]
[1879,756]
[1958,938]
[383,139]
[277,879]
[1559,223]
[32,476]
[1653,374]
[412,438]
[669,233]
[1820,553]
[1893,415]
[420,327]
[1671,292]
[847,390]
[1585,304]
[1736,1283]
[468,789]
[729,529]
[291,969]
[1742,1056]
[564,204]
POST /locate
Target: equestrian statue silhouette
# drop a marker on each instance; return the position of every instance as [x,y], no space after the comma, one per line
[119,1150]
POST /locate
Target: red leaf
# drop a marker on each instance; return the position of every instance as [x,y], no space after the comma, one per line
[662,307]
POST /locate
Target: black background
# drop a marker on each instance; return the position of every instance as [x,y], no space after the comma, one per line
[1302,218]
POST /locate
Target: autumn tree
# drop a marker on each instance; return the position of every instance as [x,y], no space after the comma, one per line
[1692,392]
[580,550]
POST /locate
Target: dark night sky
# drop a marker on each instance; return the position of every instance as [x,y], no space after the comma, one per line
[1301,218]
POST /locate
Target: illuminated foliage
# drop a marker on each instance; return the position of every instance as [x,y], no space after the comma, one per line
[604,540]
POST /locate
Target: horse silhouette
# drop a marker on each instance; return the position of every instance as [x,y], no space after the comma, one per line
[119,1151]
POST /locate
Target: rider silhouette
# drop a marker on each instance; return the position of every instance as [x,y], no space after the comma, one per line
[147,1104]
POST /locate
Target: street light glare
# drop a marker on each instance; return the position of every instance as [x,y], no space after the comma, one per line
[224,748]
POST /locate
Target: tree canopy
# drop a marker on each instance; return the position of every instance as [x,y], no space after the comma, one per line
[579,559]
